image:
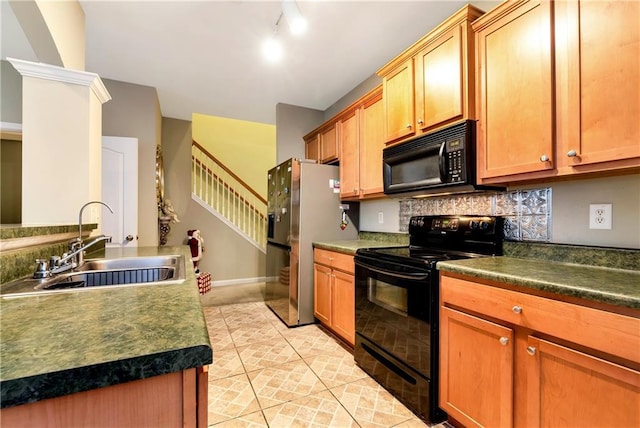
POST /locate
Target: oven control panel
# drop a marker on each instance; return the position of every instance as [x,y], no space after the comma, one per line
[453,224]
[444,224]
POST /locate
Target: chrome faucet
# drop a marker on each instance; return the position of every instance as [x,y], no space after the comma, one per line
[80,217]
[75,256]
[58,265]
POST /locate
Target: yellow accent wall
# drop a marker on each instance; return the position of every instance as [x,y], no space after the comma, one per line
[247,148]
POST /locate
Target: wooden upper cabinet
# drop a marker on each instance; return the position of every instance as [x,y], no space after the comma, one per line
[329,144]
[321,144]
[515,132]
[441,80]
[399,93]
[371,145]
[431,84]
[598,51]
[558,89]
[361,140]
[349,165]
[312,147]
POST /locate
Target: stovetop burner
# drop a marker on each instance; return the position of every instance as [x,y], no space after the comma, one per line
[437,238]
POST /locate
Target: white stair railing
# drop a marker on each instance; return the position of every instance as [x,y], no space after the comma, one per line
[228,196]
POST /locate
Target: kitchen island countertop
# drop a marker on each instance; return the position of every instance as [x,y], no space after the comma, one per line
[617,287]
[55,344]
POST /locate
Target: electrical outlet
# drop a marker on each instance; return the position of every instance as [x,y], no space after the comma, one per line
[380,218]
[600,216]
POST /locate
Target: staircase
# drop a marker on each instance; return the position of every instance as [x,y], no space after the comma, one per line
[225,195]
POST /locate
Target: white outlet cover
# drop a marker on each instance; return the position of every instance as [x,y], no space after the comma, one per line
[600,216]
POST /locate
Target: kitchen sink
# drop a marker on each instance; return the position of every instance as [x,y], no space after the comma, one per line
[100,273]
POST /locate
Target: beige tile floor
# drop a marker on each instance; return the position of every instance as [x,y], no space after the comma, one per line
[267,375]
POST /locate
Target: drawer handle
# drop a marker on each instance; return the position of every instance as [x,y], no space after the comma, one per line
[517,309]
[531,350]
[504,340]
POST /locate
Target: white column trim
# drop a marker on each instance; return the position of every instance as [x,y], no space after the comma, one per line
[61,74]
[10,127]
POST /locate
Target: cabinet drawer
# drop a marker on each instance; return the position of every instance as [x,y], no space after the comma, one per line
[605,331]
[343,262]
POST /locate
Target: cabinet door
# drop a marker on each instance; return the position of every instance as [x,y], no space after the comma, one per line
[598,45]
[439,81]
[328,144]
[371,145]
[312,148]
[476,370]
[567,386]
[398,94]
[349,165]
[343,316]
[515,110]
[322,293]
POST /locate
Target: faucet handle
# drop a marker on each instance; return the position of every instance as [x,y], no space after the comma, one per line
[41,269]
[54,261]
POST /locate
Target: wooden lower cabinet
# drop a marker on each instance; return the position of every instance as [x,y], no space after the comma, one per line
[476,382]
[334,293]
[568,385]
[172,400]
[510,359]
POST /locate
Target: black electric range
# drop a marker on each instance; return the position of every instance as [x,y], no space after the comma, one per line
[397,304]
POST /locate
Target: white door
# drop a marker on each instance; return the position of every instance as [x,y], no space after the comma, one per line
[120,190]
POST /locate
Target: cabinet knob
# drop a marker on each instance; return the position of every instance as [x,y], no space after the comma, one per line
[504,340]
[531,350]
[544,158]
[517,309]
[572,153]
[408,126]
[420,122]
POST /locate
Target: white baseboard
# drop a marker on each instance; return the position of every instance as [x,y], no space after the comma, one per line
[241,281]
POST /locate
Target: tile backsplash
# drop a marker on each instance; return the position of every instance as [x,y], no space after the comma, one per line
[527,213]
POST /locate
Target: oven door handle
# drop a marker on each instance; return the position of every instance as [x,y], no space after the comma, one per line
[412,276]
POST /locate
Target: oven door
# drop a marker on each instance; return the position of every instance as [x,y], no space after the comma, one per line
[396,332]
[396,309]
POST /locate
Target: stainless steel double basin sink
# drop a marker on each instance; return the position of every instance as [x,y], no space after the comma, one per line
[98,273]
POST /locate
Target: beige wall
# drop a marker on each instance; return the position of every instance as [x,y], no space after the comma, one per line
[65,21]
[134,111]
[55,30]
[10,94]
[569,211]
[292,124]
[227,255]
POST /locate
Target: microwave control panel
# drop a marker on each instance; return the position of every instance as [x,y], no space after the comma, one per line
[455,160]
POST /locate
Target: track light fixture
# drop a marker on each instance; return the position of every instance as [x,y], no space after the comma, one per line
[272,47]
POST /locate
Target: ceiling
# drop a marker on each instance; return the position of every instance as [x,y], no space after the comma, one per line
[204,56]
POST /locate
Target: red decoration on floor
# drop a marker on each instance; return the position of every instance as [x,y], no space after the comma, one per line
[204,282]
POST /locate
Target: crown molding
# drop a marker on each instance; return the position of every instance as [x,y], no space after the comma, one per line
[61,74]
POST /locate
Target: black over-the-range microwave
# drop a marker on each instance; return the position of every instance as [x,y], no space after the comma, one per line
[440,162]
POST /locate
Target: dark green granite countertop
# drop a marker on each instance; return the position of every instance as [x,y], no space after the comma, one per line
[365,240]
[350,247]
[619,287]
[12,231]
[54,344]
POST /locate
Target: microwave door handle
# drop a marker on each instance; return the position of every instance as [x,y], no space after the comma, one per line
[443,163]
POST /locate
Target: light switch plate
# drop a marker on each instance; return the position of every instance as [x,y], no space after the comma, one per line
[600,216]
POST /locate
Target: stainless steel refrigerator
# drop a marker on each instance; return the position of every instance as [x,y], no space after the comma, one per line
[303,207]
